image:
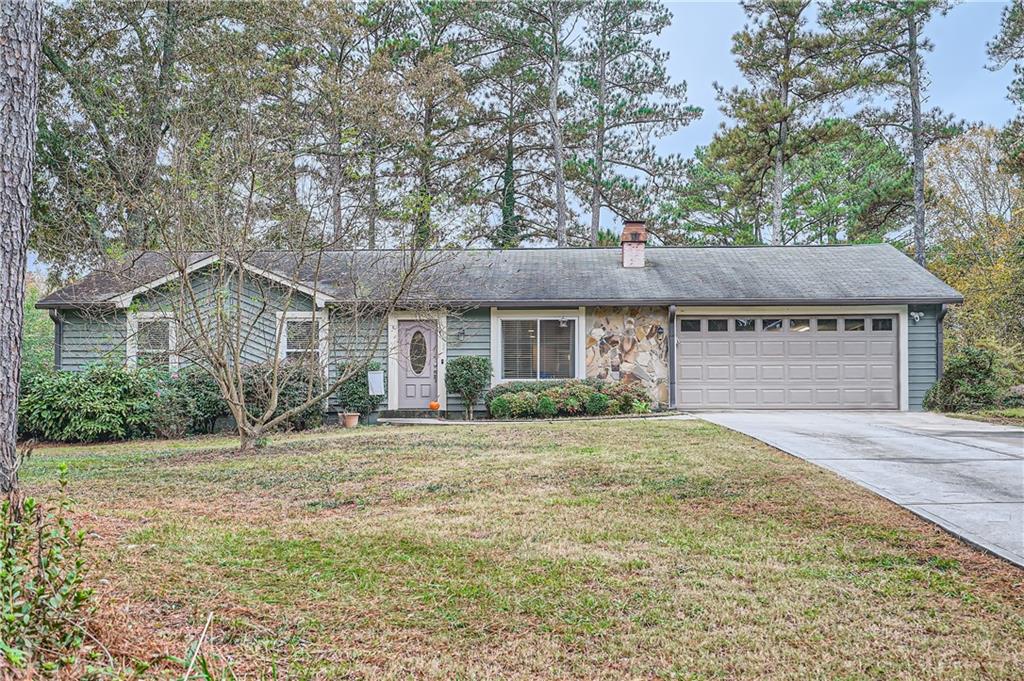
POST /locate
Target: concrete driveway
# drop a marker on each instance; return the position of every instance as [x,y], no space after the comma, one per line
[965,476]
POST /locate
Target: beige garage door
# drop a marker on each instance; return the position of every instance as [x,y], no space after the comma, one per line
[787,362]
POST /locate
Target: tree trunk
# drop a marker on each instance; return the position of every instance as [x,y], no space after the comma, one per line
[20,34]
[508,232]
[373,199]
[337,228]
[780,167]
[916,137]
[595,190]
[422,235]
[556,135]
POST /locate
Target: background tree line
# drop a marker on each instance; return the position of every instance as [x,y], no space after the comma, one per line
[478,124]
[523,122]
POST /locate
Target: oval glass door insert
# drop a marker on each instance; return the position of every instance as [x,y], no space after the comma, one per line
[417,352]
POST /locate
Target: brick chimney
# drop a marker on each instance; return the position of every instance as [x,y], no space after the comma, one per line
[634,237]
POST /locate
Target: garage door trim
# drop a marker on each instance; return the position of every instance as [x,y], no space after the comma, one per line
[901,311]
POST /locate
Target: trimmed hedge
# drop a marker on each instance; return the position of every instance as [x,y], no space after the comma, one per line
[548,399]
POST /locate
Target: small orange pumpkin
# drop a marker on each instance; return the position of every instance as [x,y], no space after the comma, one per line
[435,405]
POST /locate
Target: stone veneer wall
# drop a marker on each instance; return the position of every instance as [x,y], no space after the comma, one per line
[623,343]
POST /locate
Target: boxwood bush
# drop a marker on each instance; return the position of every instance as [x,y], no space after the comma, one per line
[548,399]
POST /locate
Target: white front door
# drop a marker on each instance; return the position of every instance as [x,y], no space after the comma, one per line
[417,364]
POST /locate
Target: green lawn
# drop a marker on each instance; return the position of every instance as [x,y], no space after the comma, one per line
[642,548]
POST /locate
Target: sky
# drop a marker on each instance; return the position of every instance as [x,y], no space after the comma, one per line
[699,40]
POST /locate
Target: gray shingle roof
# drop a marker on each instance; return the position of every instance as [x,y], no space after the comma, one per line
[763,275]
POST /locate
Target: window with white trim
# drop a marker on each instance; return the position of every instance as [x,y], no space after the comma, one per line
[301,340]
[538,348]
[152,341]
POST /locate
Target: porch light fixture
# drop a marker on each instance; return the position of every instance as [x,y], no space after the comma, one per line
[916,316]
[563,322]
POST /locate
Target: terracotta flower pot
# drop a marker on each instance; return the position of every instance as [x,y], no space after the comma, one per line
[350,419]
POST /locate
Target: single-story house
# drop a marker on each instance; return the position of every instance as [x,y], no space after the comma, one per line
[796,327]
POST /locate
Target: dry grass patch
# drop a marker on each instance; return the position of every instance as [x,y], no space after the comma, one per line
[654,548]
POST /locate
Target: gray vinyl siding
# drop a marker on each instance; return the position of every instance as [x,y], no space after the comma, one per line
[91,339]
[922,339]
[469,333]
[356,341]
[258,306]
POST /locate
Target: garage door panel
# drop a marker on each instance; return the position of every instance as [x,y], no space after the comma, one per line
[828,348]
[800,397]
[744,397]
[691,372]
[719,372]
[745,372]
[744,348]
[855,348]
[691,349]
[720,348]
[795,366]
[855,372]
[826,372]
[799,372]
[827,397]
[717,397]
[800,348]
[883,372]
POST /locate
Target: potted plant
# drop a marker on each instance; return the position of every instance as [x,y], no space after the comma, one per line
[354,396]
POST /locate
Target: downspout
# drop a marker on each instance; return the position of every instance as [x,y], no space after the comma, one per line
[58,338]
[940,355]
[671,356]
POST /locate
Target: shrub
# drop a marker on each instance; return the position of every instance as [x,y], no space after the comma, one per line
[103,402]
[172,411]
[41,579]
[641,407]
[546,407]
[597,404]
[500,408]
[207,404]
[1013,398]
[522,405]
[354,394]
[628,395]
[536,387]
[293,383]
[968,383]
[468,377]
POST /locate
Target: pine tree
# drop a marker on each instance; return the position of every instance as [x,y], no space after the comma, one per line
[1006,48]
[794,73]
[625,100]
[888,34]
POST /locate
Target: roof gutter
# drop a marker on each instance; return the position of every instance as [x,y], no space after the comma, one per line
[576,302]
[940,354]
[672,356]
